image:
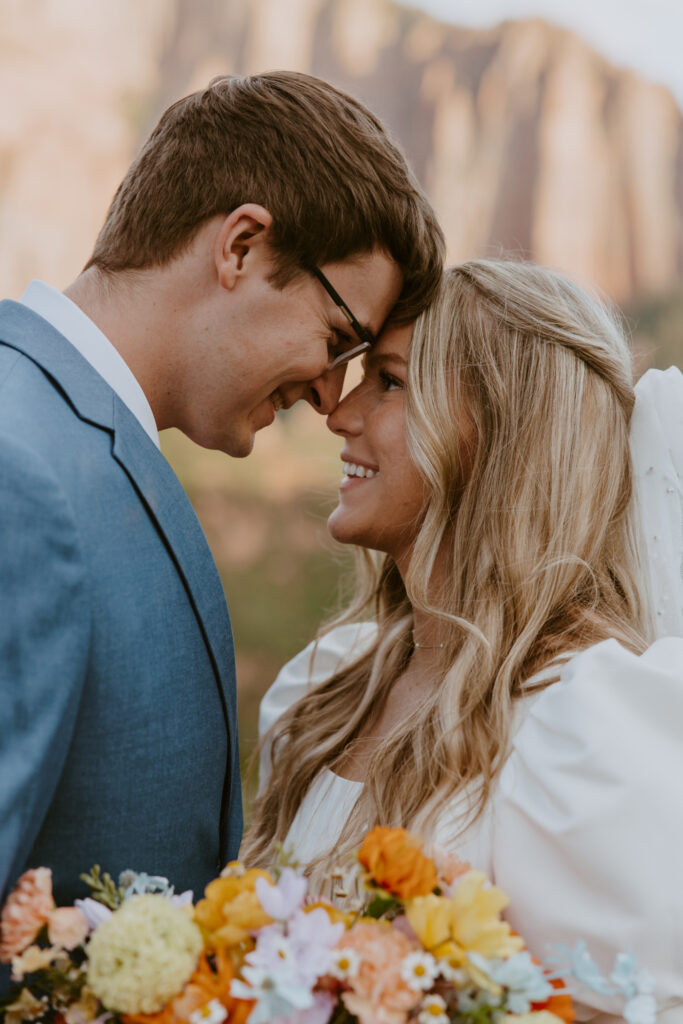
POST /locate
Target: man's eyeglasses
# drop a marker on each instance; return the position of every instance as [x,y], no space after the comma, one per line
[365,336]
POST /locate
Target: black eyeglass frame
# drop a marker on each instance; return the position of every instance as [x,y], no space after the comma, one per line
[367,338]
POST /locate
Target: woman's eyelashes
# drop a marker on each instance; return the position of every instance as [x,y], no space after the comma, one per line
[388,382]
[380,379]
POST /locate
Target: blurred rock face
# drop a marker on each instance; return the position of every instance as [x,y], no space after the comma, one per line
[523,136]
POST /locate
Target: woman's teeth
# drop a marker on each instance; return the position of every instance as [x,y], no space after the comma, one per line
[351,469]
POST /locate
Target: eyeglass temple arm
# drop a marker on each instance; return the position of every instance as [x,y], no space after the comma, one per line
[350,354]
[363,333]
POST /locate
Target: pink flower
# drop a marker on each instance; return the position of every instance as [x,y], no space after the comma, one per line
[281,900]
[67,927]
[319,1013]
[26,911]
[378,994]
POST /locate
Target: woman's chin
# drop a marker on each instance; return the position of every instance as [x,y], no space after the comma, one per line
[342,529]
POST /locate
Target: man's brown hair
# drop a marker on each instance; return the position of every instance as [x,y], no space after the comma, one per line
[314,157]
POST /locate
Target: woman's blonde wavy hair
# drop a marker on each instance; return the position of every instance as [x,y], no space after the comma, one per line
[538,538]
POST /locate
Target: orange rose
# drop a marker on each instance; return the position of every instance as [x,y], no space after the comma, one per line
[393,860]
[27,909]
[204,986]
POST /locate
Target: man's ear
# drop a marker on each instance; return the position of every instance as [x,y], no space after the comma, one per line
[241,242]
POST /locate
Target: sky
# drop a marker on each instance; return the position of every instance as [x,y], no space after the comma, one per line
[646,35]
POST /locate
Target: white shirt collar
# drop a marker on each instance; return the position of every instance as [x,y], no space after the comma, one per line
[66,317]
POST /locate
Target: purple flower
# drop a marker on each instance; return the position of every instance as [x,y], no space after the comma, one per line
[93,911]
[182,898]
[281,900]
[304,952]
[312,937]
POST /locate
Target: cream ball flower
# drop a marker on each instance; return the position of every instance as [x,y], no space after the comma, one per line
[143,955]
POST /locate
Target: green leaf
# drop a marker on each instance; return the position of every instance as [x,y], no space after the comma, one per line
[103,887]
[380,905]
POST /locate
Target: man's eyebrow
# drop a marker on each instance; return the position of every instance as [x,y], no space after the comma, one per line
[348,329]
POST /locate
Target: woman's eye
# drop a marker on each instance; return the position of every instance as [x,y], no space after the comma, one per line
[388,382]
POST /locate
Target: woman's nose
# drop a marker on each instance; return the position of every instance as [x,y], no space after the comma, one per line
[347,419]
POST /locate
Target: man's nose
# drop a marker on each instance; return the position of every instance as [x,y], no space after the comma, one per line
[324,392]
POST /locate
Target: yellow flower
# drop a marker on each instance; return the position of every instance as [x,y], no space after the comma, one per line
[143,955]
[468,921]
[231,909]
[430,918]
[476,924]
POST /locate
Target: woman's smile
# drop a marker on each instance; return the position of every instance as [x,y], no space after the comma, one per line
[356,471]
[381,494]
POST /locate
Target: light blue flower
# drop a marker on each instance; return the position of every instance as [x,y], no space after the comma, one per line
[579,963]
[138,884]
[636,987]
[623,972]
[641,1009]
[524,980]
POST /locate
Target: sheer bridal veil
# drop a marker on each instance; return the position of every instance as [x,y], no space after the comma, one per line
[657,453]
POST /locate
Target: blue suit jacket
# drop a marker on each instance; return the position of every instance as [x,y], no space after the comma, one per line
[118,738]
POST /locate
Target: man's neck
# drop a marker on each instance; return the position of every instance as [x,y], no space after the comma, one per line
[131,311]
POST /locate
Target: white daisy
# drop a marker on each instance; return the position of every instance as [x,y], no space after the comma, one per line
[456,975]
[345,964]
[213,1013]
[419,970]
[433,1011]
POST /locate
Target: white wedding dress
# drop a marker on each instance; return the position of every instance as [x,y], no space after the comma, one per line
[584,830]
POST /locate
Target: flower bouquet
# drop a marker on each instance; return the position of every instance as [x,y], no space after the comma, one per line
[424,943]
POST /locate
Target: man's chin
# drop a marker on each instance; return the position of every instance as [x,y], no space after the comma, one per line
[239,448]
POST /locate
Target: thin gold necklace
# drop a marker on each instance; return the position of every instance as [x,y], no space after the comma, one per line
[426,647]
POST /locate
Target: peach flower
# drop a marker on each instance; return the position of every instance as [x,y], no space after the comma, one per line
[35,958]
[26,911]
[448,866]
[378,994]
[67,927]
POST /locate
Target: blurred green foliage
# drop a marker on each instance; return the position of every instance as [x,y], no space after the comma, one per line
[656,327]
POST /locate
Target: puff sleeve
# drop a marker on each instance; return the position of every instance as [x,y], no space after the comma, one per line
[588,824]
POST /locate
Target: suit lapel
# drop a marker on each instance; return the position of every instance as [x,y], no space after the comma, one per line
[160,490]
[94,401]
